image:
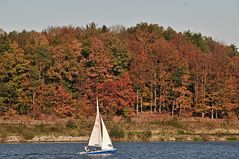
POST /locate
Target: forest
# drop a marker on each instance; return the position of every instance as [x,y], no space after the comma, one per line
[144,68]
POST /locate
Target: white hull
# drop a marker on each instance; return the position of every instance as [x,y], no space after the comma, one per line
[99,152]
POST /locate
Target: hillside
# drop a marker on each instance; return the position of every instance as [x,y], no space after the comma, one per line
[144,68]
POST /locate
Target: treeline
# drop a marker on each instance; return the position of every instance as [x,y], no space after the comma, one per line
[60,70]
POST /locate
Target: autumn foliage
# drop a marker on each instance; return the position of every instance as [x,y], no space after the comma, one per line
[61,70]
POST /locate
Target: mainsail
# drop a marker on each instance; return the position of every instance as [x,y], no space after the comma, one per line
[96,137]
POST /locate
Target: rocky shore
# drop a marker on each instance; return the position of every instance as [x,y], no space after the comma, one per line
[153,138]
[49,138]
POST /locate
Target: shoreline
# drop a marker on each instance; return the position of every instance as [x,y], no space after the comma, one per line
[157,130]
[43,139]
[169,138]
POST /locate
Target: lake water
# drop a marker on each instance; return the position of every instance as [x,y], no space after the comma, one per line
[129,150]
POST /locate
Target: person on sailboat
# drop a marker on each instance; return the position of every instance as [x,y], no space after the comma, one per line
[87,149]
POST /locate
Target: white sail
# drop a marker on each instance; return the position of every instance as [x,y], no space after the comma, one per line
[95,137]
[106,142]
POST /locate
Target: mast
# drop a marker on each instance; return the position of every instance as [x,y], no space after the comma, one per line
[96,134]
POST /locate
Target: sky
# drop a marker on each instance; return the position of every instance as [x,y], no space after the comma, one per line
[214,18]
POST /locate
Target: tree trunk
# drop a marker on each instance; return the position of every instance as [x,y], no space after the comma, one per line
[137,103]
[141,104]
[34,111]
[33,104]
[159,103]
[216,114]
[204,87]
[195,96]
[33,99]
[155,100]
[202,114]
[172,110]
[180,111]
[212,113]
[159,108]
[151,99]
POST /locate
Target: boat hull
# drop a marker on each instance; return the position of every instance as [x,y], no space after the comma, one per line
[100,152]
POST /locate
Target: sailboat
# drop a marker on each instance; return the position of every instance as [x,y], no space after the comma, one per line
[99,142]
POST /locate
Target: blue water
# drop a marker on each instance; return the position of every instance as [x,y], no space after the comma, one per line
[131,150]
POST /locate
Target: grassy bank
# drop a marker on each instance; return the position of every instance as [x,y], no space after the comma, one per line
[125,130]
[177,130]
